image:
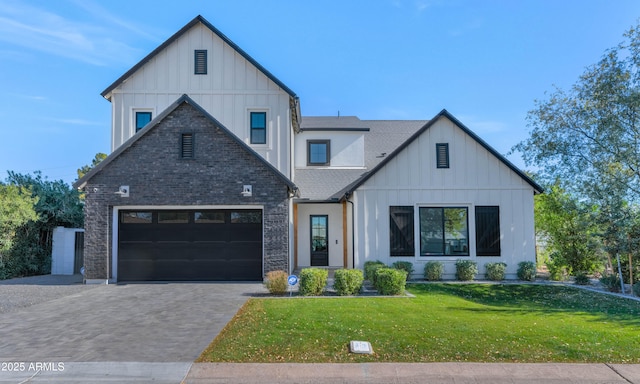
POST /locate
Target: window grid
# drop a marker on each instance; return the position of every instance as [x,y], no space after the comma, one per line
[318,152]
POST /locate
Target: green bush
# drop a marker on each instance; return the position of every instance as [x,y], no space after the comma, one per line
[313,281]
[466,270]
[277,282]
[405,266]
[636,289]
[557,270]
[433,270]
[582,279]
[527,270]
[611,282]
[495,271]
[390,281]
[370,268]
[348,281]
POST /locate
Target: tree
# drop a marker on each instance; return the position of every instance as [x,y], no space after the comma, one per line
[568,228]
[55,204]
[589,137]
[592,132]
[16,209]
[86,168]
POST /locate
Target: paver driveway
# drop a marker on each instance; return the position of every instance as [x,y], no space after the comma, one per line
[170,322]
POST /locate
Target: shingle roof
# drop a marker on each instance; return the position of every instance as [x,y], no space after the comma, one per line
[383,136]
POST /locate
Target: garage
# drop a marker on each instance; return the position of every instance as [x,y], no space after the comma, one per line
[190,245]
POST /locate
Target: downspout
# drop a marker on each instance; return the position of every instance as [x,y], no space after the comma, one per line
[353,232]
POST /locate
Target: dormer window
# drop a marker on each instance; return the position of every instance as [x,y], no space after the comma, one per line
[318,152]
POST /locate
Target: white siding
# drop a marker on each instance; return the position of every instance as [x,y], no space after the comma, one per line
[231,88]
[475,177]
[347,148]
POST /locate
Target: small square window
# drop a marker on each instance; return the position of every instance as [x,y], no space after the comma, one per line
[258,127]
[186,146]
[318,152]
[142,119]
[442,155]
[200,62]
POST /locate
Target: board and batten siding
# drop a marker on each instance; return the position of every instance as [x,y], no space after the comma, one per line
[231,89]
[475,178]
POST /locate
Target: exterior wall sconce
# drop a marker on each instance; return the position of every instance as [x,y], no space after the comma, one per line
[247,191]
[123,191]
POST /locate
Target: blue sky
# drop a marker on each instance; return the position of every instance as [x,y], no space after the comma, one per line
[484,61]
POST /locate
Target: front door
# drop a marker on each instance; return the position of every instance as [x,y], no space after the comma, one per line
[319,241]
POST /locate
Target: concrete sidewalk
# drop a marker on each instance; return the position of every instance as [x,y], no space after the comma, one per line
[408,373]
[369,373]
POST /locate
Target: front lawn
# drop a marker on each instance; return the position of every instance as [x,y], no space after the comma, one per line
[444,322]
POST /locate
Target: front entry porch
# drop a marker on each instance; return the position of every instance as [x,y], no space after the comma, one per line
[321,235]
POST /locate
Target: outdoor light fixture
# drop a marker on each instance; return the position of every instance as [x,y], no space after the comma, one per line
[246,191]
[123,191]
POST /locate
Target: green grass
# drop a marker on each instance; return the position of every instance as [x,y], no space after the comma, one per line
[444,322]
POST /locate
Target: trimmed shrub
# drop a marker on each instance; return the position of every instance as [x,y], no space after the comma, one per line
[348,281]
[406,266]
[557,270]
[636,289]
[611,282]
[433,270]
[313,281]
[495,271]
[370,268]
[277,282]
[527,270]
[466,270]
[390,281]
[582,279]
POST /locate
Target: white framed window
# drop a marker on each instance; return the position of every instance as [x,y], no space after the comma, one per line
[140,117]
[258,126]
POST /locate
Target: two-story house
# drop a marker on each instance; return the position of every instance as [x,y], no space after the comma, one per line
[215,175]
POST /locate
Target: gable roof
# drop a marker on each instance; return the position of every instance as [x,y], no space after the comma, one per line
[184,99]
[196,20]
[348,190]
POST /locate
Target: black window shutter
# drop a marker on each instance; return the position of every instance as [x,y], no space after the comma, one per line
[488,231]
[442,155]
[186,151]
[401,231]
[200,62]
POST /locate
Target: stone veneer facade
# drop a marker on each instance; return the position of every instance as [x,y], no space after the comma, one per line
[157,176]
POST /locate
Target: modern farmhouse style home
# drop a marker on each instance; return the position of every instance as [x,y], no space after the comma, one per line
[215,175]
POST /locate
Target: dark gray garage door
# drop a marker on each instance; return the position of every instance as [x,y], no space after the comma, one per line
[197,245]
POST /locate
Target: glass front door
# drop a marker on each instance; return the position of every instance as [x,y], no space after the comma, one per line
[319,241]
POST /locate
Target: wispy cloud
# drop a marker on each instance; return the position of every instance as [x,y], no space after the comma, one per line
[418,6]
[39,29]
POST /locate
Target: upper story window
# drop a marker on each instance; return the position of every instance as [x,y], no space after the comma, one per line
[258,124]
[442,155]
[318,152]
[200,62]
[142,118]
